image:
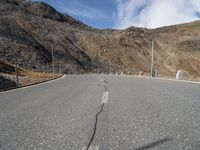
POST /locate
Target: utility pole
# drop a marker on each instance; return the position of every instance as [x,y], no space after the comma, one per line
[152,58]
[109,67]
[16,73]
[52,55]
[60,68]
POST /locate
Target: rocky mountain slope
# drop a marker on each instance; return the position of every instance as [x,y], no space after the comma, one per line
[30,30]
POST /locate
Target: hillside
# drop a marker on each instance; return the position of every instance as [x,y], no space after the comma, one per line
[29,30]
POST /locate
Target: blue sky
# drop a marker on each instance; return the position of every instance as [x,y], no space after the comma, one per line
[125,13]
[96,13]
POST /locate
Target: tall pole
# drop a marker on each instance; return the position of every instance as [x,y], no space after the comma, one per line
[109,67]
[60,68]
[152,58]
[52,55]
[16,73]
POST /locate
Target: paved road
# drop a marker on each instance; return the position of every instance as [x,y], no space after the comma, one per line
[102,112]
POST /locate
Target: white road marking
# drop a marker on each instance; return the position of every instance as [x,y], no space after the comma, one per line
[34,85]
[91,148]
[105,97]
[159,78]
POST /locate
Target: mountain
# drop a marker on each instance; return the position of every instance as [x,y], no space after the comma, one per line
[30,30]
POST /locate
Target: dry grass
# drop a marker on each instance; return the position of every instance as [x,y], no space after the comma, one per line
[26,77]
[31,78]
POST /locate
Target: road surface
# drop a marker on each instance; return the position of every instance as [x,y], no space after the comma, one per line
[100,112]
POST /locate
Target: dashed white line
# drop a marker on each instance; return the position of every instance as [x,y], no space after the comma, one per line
[105,97]
[91,148]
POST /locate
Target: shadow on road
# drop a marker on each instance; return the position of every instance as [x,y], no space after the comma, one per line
[154,144]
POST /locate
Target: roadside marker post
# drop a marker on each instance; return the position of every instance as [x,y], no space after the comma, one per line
[16,73]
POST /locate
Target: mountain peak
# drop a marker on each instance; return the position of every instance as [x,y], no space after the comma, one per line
[44,10]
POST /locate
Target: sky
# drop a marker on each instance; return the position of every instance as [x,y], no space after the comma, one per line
[121,14]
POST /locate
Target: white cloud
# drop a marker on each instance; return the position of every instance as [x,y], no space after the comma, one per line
[155,13]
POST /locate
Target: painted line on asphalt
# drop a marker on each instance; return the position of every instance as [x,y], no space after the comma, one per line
[29,86]
[105,97]
[145,77]
[91,148]
[182,81]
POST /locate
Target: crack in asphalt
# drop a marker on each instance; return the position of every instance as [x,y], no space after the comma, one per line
[96,117]
[95,126]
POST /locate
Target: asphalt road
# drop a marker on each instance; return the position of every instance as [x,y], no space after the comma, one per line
[101,112]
